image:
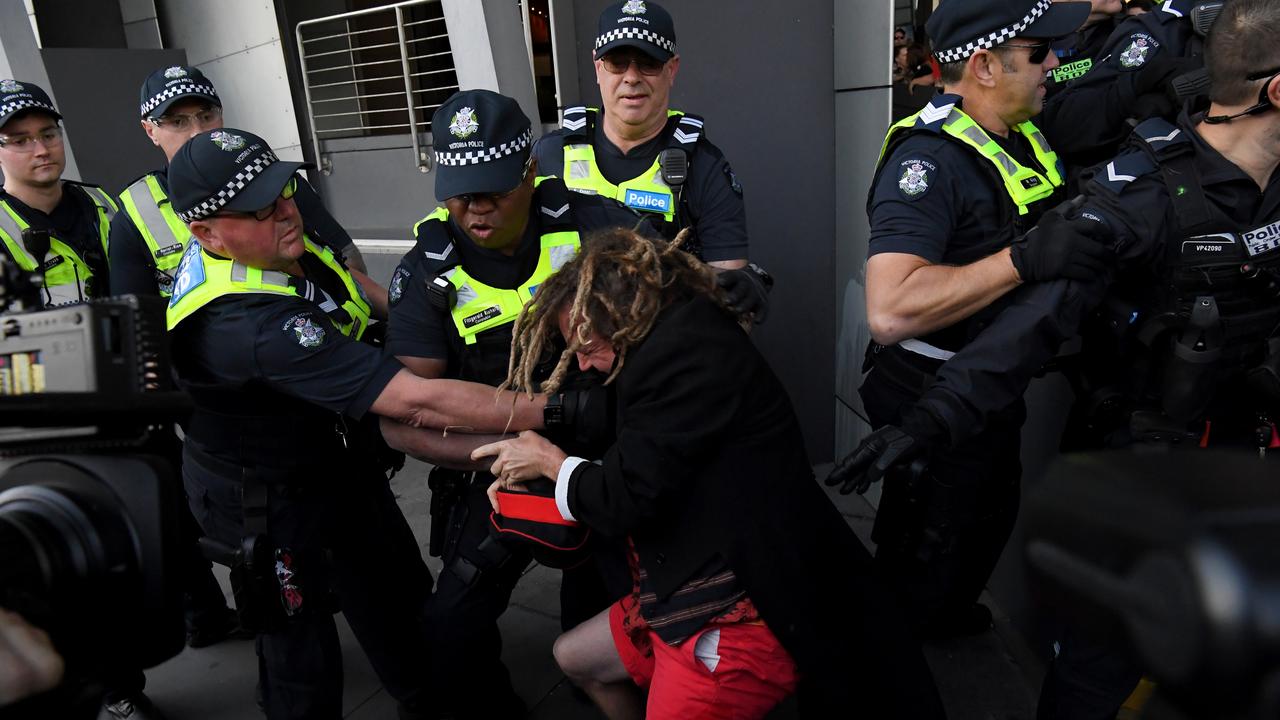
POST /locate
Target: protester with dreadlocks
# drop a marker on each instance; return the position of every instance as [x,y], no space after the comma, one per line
[735,595]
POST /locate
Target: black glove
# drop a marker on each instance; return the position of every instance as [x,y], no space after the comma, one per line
[1061,248]
[746,290]
[581,420]
[887,448]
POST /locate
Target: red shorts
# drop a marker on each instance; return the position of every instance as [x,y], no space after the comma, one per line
[735,670]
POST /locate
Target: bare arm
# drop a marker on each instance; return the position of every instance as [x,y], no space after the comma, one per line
[434,446]
[907,296]
[719,265]
[376,293]
[448,449]
[456,404]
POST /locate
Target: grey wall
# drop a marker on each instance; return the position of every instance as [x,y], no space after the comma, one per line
[79,24]
[760,73]
[100,109]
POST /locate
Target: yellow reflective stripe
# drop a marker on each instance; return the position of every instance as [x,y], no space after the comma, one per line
[481,307]
[11,227]
[72,269]
[146,204]
[439,213]
[226,277]
[1016,177]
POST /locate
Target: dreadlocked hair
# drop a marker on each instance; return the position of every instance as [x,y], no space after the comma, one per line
[614,287]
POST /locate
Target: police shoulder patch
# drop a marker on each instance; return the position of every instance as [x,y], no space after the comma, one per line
[734,185]
[1140,48]
[395,290]
[304,330]
[914,176]
[1116,175]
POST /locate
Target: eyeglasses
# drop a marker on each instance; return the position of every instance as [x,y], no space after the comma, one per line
[49,137]
[183,122]
[1039,51]
[468,198]
[1263,104]
[267,212]
[619,62]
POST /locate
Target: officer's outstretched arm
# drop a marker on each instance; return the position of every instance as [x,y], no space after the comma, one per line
[455,404]
[445,449]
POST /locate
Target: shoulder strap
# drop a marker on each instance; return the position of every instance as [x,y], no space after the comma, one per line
[555,212]
[576,122]
[435,243]
[687,131]
[1174,154]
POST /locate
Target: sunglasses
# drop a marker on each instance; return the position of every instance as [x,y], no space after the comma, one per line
[468,198]
[1039,51]
[267,212]
[619,62]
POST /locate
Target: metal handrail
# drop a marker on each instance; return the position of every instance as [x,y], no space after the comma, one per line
[410,74]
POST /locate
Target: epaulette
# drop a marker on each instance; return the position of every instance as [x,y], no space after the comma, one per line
[1117,174]
[1171,10]
[434,241]
[932,116]
[552,200]
[576,120]
[140,177]
[688,130]
[1163,137]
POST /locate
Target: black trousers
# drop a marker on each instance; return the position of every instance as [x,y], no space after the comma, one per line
[350,549]
[1092,675]
[473,591]
[939,536]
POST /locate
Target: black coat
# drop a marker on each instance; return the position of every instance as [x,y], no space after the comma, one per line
[709,460]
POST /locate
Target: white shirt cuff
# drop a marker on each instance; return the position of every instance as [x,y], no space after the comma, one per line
[562,486]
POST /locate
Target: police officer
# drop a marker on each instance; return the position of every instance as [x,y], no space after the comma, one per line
[147,238]
[1184,344]
[641,160]
[453,300]
[1077,52]
[957,188]
[278,457]
[1144,69]
[55,226]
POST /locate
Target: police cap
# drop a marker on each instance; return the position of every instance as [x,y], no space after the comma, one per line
[163,88]
[959,28]
[639,24]
[20,97]
[482,141]
[226,169]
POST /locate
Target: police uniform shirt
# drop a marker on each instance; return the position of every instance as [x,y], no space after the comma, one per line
[74,221]
[712,191]
[938,200]
[1087,122]
[1130,197]
[251,341]
[132,267]
[418,329]
[1079,59]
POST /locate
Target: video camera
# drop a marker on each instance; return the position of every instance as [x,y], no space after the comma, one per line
[88,532]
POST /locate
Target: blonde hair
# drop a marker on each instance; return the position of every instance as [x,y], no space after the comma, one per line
[614,287]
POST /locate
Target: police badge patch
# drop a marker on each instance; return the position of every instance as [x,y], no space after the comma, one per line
[1138,52]
[634,7]
[304,330]
[10,86]
[227,141]
[914,180]
[175,72]
[464,123]
[396,289]
[734,185]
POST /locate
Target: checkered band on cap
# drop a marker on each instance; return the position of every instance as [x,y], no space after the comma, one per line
[991,40]
[633,33]
[217,201]
[175,91]
[10,108]
[475,157]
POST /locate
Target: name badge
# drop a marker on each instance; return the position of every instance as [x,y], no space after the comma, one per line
[648,201]
[471,321]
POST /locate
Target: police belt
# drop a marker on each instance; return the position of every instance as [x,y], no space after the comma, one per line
[299,445]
